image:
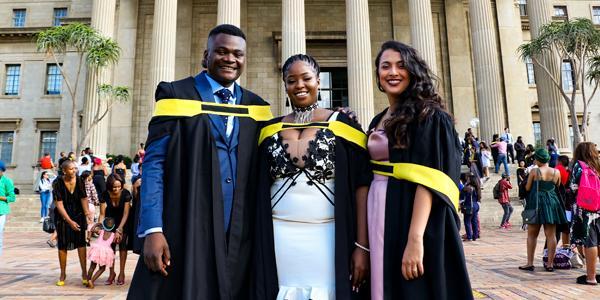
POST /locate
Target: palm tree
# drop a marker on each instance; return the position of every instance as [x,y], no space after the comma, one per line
[576,41]
[93,50]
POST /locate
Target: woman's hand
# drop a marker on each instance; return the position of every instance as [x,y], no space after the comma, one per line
[412,260]
[118,237]
[359,267]
[74,225]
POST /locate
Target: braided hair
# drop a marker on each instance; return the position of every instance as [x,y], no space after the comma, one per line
[309,60]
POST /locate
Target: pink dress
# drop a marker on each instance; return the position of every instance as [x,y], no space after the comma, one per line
[100,251]
[378,150]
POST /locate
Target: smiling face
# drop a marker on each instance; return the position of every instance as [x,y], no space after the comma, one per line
[69,170]
[392,74]
[302,84]
[225,58]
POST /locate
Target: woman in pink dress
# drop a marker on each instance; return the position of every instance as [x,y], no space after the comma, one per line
[100,253]
[416,250]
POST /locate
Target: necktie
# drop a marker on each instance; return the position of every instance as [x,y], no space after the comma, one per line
[225,96]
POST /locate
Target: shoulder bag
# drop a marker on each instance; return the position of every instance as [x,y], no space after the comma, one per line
[530,216]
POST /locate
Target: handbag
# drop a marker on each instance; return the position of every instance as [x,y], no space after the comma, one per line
[530,216]
[577,261]
[48,225]
[562,258]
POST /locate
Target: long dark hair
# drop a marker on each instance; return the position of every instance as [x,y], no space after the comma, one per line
[420,99]
[587,152]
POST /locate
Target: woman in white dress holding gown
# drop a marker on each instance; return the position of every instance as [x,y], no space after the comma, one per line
[311,231]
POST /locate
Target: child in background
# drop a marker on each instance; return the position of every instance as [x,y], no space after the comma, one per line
[504,200]
[90,190]
[471,196]
[100,253]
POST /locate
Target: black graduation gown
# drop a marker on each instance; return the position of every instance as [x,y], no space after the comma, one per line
[205,263]
[434,143]
[351,171]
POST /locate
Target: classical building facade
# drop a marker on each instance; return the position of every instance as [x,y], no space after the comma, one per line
[470,44]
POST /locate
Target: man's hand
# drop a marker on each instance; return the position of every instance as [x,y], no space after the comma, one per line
[156,253]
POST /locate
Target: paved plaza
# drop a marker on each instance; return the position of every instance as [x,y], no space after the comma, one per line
[29,268]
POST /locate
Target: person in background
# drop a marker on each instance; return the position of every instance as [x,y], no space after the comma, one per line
[486,157]
[84,166]
[508,138]
[529,155]
[471,195]
[504,201]
[46,163]
[586,224]
[135,171]
[553,150]
[63,157]
[541,184]
[45,188]
[90,190]
[99,173]
[522,180]
[520,149]
[501,146]
[119,166]
[563,230]
[7,195]
[141,152]
[71,219]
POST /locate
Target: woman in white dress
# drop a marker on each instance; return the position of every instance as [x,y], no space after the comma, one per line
[312,240]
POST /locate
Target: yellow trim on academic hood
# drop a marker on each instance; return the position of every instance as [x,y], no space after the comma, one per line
[339,128]
[190,108]
[429,177]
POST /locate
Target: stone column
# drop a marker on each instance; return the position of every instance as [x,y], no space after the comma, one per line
[163,45]
[228,12]
[293,37]
[553,115]
[421,31]
[103,20]
[487,69]
[360,74]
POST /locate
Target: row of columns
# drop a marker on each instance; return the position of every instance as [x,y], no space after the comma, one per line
[360,88]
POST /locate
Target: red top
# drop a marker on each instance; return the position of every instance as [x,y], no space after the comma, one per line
[504,187]
[564,174]
[46,162]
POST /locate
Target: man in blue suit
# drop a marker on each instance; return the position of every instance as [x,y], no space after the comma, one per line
[197,195]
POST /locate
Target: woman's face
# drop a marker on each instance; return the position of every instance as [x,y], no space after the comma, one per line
[393,76]
[45,176]
[70,170]
[302,84]
[521,164]
[117,187]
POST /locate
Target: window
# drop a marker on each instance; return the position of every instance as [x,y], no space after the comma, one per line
[567,76]
[530,73]
[560,11]
[6,146]
[13,78]
[537,134]
[334,88]
[523,8]
[48,143]
[596,15]
[53,80]
[19,17]
[59,13]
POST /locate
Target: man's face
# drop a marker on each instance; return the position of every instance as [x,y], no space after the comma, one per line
[225,58]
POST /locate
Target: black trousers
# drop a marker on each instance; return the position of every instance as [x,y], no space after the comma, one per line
[510,151]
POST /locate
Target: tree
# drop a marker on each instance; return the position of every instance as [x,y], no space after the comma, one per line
[111,95]
[93,50]
[576,41]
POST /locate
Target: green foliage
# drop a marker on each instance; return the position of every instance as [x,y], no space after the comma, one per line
[126,159]
[100,51]
[118,93]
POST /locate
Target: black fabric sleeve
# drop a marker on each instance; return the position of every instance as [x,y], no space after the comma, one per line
[56,188]
[360,168]
[126,195]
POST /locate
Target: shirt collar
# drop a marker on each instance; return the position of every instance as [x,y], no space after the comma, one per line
[215,86]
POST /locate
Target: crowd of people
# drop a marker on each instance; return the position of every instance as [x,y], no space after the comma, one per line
[87,201]
[547,185]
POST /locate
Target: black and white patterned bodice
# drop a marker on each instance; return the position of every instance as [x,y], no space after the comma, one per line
[319,160]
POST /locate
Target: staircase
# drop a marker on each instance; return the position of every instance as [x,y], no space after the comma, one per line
[25,213]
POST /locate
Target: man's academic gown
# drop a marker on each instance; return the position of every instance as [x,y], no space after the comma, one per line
[206,261]
[434,143]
